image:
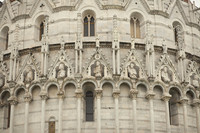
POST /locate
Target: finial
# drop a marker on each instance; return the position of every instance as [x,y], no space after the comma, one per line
[132,43]
[164,47]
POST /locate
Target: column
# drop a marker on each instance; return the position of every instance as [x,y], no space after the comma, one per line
[196,103]
[79,97]
[13,102]
[166,98]
[116,98]
[184,103]
[113,52]
[60,104]
[150,96]
[134,97]
[98,98]
[44,98]
[27,99]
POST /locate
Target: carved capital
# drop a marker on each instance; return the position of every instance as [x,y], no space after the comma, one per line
[13,100]
[133,93]
[79,93]
[150,95]
[116,93]
[61,94]
[43,95]
[166,97]
[184,100]
[196,102]
[27,97]
[98,93]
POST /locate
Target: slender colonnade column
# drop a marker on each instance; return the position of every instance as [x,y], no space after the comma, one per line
[44,98]
[116,98]
[60,96]
[27,100]
[134,97]
[166,98]
[184,103]
[196,103]
[13,102]
[150,96]
[79,97]
[98,98]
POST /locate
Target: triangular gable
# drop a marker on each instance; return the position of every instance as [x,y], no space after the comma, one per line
[137,69]
[4,16]
[61,58]
[103,67]
[165,61]
[191,71]
[41,5]
[30,66]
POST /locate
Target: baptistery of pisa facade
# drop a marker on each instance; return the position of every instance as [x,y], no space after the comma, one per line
[92,66]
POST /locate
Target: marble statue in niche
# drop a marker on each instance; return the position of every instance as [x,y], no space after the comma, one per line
[29,74]
[165,75]
[2,80]
[97,69]
[132,72]
[61,72]
[195,81]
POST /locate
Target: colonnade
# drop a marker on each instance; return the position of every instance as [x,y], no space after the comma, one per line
[116,94]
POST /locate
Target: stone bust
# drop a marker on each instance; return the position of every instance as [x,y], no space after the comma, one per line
[195,81]
[132,72]
[29,74]
[98,69]
[165,75]
[61,71]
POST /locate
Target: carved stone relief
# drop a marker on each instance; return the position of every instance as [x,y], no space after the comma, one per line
[61,71]
[132,71]
[97,69]
[166,74]
[195,80]
[2,80]
[29,74]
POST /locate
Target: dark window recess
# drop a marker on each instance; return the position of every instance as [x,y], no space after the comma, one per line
[92,27]
[52,126]
[85,26]
[7,41]
[89,106]
[41,31]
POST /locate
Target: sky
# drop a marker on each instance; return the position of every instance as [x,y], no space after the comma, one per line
[196,1]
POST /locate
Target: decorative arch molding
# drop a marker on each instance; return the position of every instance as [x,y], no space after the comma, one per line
[19,87]
[178,87]
[161,85]
[143,82]
[93,81]
[50,83]
[192,89]
[2,93]
[69,81]
[108,80]
[124,81]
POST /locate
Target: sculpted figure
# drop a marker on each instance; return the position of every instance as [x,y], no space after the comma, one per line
[61,72]
[164,75]
[132,73]
[195,81]
[98,69]
[2,79]
[29,75]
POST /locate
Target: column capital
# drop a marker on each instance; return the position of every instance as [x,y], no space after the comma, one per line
[13,100]
[27,97]
[150,95]
[166,97]
[61,94]
[133,93]
[98,93]
[43,95]
[196,102]
[184,100]
[116,93]
[79,93]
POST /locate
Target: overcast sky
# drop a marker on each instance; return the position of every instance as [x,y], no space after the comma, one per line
[196,1]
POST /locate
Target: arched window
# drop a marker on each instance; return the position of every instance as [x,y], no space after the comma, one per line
[178,34]
[135,28]
[89,106]
[52,126]
[41,30]
[6,110]
[89,26]
[4,38]
[7,41]
[173,107]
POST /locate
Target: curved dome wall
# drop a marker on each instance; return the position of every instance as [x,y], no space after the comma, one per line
[85,66]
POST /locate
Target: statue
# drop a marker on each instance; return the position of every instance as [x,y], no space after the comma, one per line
[29,75]
[195,81]
[164,75]
[61,72]
[132,73]
[98,69]
[2,80]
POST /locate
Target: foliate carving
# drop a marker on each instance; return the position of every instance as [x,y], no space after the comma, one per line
[13,100]
[98,93]
[2,80]
[192,74]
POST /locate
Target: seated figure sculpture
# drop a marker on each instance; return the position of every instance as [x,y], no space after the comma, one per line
[164,75]
[132,73]
[61,72]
